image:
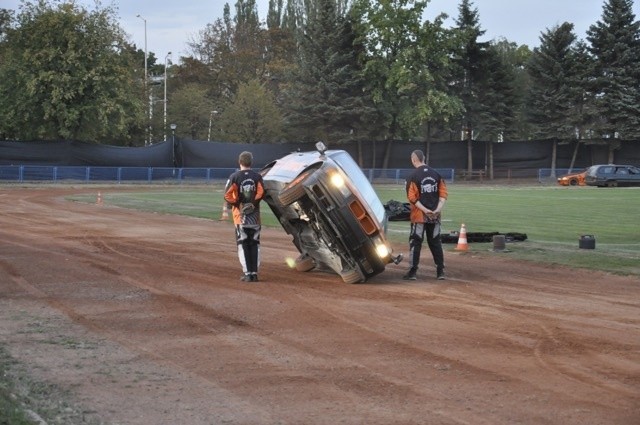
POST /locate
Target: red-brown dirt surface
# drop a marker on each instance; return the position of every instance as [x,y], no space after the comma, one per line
[139,318]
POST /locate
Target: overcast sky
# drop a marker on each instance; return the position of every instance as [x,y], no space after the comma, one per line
[172,23]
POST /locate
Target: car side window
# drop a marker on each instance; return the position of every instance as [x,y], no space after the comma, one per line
[607,170]
[621,171]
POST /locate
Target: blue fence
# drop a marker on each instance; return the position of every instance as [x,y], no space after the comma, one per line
[547,173]
[62,174]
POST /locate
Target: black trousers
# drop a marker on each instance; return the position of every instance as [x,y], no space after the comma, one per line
[416,238]
[248,240]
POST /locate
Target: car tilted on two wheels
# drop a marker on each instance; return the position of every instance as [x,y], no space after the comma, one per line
[324,200]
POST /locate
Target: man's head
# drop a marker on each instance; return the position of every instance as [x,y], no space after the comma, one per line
[417,157]
[245,159]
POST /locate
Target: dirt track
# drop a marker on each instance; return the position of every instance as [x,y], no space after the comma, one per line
[139,318]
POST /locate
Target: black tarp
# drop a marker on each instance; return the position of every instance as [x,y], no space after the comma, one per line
[72,153]
[225,155]
[517,157]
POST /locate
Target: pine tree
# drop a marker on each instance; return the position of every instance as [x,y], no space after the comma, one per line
[471,61]
[615,45]
[555,93]
[556,97]
[324,97]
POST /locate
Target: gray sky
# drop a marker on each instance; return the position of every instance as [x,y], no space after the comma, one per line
[172,23]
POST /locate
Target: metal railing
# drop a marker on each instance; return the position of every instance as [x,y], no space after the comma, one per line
[91,174]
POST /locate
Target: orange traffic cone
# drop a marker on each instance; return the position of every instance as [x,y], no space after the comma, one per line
[462,239]
[225,212]
[99,200]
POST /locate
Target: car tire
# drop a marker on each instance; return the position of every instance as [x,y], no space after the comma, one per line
[295,189]
[352,276]
[304,263]
[573,182]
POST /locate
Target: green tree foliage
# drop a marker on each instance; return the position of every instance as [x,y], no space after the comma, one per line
[586,110]
[66,73]
[615,45]
[499,98]
[555,95]
[471,60]
[252,117]
[323,99]
[281,49]
[514,59]
[233,53]
[338,70]
[232,49]
[190,109]
[406,64]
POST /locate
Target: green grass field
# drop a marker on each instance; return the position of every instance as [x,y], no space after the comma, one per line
[553,218]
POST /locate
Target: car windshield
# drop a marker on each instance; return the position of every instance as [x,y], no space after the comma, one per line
[361,182]
[592,170]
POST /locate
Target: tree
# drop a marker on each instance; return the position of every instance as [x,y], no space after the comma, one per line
[404,64]
[67,73]
[499,101]
[513,59]
[556,95]
[615,45]
[252,117]
[190,109]
[280,49]
[233,52]
[471,60]
[323,99]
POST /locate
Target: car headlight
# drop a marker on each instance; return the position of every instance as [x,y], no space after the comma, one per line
[382,250]
[338,182]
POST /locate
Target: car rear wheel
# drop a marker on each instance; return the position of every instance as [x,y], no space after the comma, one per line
[295,189]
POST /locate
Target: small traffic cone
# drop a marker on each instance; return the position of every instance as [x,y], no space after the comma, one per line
[99,199]
[462,239]
[225,212]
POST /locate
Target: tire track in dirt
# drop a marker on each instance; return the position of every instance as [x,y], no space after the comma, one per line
[306,348]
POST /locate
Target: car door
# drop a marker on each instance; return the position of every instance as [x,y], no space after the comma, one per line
[631,176]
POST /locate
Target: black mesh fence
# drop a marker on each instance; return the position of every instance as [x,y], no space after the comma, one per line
[514,158]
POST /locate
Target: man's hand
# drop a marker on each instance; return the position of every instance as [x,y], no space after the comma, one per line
[247,208]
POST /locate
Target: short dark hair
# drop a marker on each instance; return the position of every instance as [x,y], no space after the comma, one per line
[245,159]
[419,154]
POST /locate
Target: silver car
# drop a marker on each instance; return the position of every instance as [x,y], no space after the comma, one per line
[324,200]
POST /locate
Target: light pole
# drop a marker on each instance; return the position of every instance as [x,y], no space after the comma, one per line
[147,139]
[210,121]
[173,144]
[166,58]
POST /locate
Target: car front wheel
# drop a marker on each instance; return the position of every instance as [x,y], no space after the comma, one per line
[352,276]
